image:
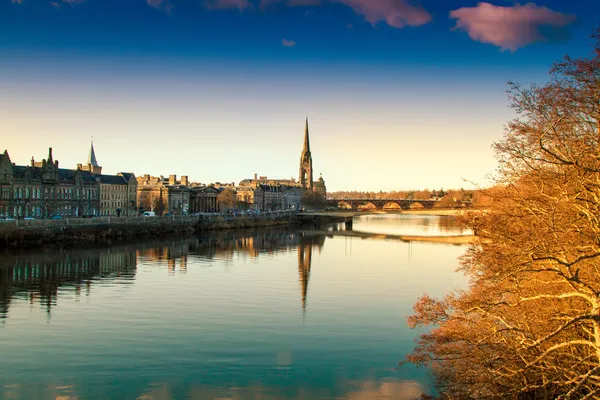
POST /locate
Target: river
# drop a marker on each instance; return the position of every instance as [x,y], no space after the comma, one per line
[264,314]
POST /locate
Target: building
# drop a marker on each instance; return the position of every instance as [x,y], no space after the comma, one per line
[204,199]
[164,195]
[118,193]
[293,191]
[44,190]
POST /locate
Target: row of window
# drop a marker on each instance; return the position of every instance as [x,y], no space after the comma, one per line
[37,211]
[49,193]
[113,196]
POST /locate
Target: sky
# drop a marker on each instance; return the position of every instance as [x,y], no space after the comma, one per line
[400,94]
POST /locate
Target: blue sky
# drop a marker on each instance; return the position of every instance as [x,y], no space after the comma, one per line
[400,94]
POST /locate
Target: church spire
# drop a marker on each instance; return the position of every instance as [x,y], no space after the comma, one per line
[306,139]
[92,156]
[306,170]
[92,164]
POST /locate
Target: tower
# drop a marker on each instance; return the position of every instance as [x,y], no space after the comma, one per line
[306,169]
[92,163]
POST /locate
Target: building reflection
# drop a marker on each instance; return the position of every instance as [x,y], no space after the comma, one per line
[306,244]
[228,245]
[40,277]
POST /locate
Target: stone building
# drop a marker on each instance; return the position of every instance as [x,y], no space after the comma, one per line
[118,193]
[43,190]
[204,199]
[293,191]
[164,195]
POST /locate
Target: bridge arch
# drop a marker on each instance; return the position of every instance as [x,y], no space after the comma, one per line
[416,206]
[392,205]
[367,206]
[345,206]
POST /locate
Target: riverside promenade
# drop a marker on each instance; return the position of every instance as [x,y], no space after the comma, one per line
[68,231]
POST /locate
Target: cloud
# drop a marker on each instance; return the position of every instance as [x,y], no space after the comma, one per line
[227,4]
[396,13]
[292,3]
[59,3]
[163,5]
[288,43]
[511,28]
[17,1]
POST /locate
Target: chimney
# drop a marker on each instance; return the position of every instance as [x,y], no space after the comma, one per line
[32,162]
[255,176]
[184,180]
[79,166]
[172,179]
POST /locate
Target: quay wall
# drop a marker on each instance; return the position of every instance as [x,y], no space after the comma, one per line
[72,231]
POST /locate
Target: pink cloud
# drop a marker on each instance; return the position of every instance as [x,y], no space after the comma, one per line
[509,28]
[293,3]
[288,43]
[396,13]
[163,5]
[227,4]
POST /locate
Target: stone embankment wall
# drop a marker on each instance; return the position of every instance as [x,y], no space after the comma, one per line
[91,230]
[70,231]
[224,222]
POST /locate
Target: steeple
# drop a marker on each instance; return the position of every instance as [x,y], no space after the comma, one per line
[306,169]
[92,156]
[92,164]
[306,139]
[50,160]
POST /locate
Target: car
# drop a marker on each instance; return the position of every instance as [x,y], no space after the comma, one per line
[28,219]
[6,219]
[149,214]
[56,217]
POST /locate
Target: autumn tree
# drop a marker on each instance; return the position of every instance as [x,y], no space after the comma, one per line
[158,205]
[528,326]
[226,199]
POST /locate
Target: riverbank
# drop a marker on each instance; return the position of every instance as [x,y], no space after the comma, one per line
[105,230]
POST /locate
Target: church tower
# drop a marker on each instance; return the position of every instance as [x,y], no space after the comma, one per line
[92,164]
[306,169]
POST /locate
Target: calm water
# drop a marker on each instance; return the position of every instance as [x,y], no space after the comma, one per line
[268,314]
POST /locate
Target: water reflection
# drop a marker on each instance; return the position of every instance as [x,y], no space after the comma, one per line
[40,277]
[271,314]
[410,224]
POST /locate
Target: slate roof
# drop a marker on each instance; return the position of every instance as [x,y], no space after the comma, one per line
[127,175]
[112,179]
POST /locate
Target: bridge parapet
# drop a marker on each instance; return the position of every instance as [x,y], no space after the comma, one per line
[381,204]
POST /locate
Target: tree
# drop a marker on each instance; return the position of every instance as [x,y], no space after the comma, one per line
[144,200]
[226,199]
[528,327]
[158,205]
[313,199]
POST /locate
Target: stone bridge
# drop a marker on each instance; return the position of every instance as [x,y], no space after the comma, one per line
[381,204]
